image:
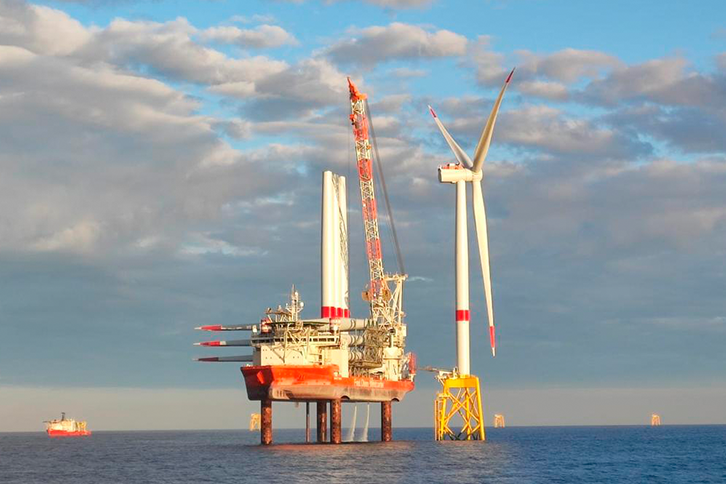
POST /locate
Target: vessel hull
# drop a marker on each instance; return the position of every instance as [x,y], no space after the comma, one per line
[306,383]
[68,433]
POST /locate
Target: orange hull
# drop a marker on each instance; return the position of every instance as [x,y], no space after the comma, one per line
[306,383]
[68,433]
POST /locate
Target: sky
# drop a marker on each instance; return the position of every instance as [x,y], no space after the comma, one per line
[160,169]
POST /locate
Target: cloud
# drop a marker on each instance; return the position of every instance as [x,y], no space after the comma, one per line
[168,49]
[392,4]
[667,82]
[406,73]
[555,91]
[551,130]
[400,4]
[244,19]
[567,65]
[396,41]
[546,76]
[40,29]
[540,129]
[111,142]
[721,61]
[298,90]
[689,129]
[263,36]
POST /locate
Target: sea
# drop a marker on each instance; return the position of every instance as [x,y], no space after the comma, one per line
[617,454]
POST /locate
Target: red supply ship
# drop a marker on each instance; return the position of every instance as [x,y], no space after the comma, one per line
[66,427]
[334,358]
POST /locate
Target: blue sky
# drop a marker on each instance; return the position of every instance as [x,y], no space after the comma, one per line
[159,170]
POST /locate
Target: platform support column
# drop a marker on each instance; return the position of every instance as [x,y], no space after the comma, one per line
[335,424]
[386,432]
[322,421]
[266,422]
[307,422]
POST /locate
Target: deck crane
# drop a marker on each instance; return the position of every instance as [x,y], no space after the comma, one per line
[385,303]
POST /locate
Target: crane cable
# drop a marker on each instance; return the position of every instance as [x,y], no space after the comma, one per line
[399,256]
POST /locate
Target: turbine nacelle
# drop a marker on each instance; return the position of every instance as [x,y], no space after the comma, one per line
[454,172]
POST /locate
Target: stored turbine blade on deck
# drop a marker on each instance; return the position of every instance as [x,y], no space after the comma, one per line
[221,359]
[244,327]
[231,342]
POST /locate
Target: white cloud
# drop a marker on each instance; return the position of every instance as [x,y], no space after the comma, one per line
[545,76]
[392,4]
[540,129]
[549,129]
[205,244]
[263,36]
[372,45]
[663,81]
[555,91]
[567,65]
[406,73]
[243,19]
[40,29]
[308,85]
[79,238]
[168,49]
[400,4]
[123,157]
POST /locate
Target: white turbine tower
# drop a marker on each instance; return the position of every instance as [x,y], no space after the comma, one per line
[459,174]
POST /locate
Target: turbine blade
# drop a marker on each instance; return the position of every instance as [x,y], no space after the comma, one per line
[480,220]
[485,140]
[217,327]
[221,359]
[460,154]
[231,342]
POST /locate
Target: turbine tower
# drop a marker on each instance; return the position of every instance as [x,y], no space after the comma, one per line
[460,387]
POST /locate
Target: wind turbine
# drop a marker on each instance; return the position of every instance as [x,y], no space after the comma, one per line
[468,170]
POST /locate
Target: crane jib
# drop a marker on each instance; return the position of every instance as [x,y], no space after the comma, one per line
[359,119]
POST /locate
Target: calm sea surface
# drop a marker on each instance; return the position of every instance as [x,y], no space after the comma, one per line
[672,454]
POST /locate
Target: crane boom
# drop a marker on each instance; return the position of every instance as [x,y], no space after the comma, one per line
[359,120]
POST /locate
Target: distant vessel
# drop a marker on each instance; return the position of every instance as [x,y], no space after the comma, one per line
[66,427]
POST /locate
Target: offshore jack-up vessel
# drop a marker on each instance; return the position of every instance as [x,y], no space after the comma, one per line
[333,358]
[66,427]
